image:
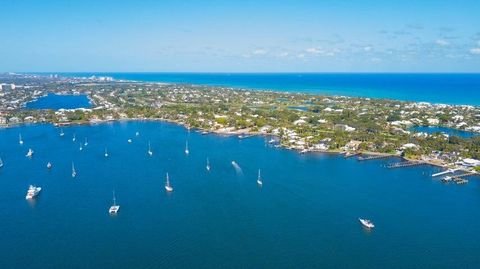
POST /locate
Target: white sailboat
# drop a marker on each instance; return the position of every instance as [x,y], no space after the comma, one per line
[150,152]
[186,148]
[81,147]
[106,152]
[129,140]
[29,153]
[137,134]
[49,165]
[259,179]
[1,163]
[74,138]
[86,142]
[168,187]
[20,140]
[208,165]
[114,208]
[74,173]
[61,132]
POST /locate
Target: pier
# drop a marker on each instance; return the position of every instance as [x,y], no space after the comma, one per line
[445,172]
[374,157]
[459,179]
[404,164]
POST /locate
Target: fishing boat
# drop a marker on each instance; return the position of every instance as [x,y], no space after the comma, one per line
[32,192]
[86,142]
[168,187]
[367,223]
[259,179]
[49,165]
[61,132]
[186,148]
[29,153]
[74,138]
[106,153]
[114,208]
[20,140]
[208,165]
[150,152]
[74,173]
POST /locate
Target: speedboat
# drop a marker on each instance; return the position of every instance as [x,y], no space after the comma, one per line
[367,223]
[114,208]
[32,192]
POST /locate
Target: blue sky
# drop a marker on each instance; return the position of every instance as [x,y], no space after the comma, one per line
[240,36]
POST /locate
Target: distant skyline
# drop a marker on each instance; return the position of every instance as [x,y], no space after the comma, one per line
[240,36]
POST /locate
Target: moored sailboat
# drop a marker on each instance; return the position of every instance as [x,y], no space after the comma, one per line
[114,208]
[208,165]
[186,148]
[168,187]
[20,140]
[106,153]
[29,153]
[74,173]
[150,152]
[49,165]
[259,179]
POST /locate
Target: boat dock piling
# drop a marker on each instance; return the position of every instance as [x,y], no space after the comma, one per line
[404,164]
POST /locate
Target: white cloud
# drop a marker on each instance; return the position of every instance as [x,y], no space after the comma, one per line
[314,50]
[442,42]
[259,52]
[301,55]
[283,54]
[367,48]
[475,51]
[322,52]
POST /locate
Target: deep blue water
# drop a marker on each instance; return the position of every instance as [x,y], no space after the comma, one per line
[304,216]
[439,129]
[57,101]
[435,88]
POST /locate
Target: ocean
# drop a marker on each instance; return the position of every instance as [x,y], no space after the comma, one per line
[304,216]
[435,88]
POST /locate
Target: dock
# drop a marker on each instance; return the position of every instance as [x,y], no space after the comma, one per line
[405,164]
[444,172]
[374,157]
[459,179]
[351,154]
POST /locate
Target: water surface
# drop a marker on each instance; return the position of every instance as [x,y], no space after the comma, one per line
[58,101]
[304,216]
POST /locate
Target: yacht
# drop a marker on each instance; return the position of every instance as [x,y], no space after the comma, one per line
[20,140]
[61,132]
[447,179]
[29,153]
[208,165]
[32,192]
[367,223]
[259,179]
[86,142]
[114,208]
[106,152]
[186,148]
[168,187]
[49,165]
[150,152]
[74,173]
[74,138]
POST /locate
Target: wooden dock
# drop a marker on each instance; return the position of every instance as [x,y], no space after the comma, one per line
[459,179]
[405,164]
[374,157]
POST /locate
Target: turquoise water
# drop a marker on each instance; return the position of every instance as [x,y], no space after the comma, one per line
[304,216]
[436,88]
[449,131]
[57,101]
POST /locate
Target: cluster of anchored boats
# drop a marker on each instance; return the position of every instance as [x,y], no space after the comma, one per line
[33,191]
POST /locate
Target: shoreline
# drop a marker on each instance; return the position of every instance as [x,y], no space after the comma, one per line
[250,134]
